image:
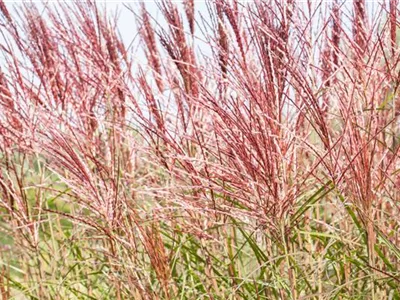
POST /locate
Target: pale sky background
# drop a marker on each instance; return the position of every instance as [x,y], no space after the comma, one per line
[128,30]
[127,24]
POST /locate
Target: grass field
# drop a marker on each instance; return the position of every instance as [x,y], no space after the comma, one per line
[253,153]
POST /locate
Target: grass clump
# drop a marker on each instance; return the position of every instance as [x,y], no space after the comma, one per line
[232,151]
